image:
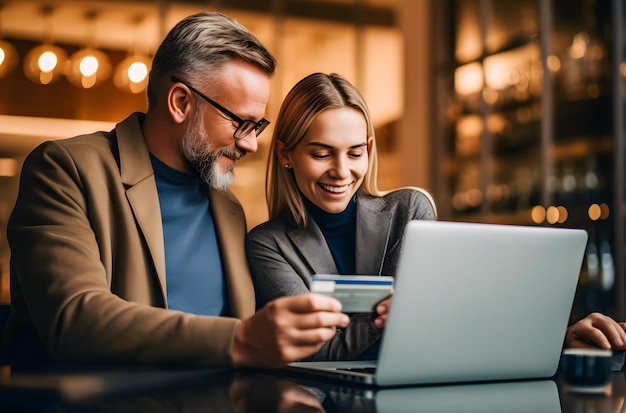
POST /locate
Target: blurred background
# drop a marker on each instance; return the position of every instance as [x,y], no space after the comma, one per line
[508,112]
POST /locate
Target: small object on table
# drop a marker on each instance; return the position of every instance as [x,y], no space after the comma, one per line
[586,370]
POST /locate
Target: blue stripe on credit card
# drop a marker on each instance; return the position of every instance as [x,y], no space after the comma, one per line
[361,282]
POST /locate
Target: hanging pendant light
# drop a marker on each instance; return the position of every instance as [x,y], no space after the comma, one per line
[8,53]
[89,66]
[131,74]
[45,63]
[8,58]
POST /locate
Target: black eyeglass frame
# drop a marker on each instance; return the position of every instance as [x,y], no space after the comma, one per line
[257,127]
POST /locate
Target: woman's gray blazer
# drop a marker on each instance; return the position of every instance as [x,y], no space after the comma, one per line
[283,257]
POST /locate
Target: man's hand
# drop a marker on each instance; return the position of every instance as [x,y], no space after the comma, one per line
[287,329]
[596,330]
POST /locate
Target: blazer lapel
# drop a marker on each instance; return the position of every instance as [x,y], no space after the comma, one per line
[311,244]
[372,234]
[138,177]
[230,224]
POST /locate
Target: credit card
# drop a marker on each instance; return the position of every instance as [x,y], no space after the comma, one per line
[357,293]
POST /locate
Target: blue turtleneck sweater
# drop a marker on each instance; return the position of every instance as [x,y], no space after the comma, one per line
[340,233]
[193,263]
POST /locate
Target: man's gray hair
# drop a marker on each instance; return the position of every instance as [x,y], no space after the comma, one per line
[199,45]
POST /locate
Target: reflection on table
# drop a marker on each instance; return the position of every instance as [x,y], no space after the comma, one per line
[72,388]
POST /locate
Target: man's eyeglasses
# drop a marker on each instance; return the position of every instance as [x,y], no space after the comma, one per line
[244,126]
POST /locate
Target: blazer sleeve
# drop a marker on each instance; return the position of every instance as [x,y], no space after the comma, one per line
[64,272]
[275,267]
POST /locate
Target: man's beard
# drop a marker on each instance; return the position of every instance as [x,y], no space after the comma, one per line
[198,151]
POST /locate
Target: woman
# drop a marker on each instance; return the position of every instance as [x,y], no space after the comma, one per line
[326,213]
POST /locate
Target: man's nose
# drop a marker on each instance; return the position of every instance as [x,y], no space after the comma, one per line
[248,143]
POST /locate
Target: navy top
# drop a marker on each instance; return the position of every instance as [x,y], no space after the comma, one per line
[193,264]
[340,233]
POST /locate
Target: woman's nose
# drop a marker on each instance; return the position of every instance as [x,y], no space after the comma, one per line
[340,168]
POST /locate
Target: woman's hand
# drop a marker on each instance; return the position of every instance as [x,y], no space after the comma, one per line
[382,309]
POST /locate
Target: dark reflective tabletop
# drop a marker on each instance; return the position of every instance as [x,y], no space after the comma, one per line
[71,388]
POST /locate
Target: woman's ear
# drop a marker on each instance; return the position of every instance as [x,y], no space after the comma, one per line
[370,142]
[282,154]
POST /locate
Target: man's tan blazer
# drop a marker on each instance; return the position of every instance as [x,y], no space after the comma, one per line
[87,259]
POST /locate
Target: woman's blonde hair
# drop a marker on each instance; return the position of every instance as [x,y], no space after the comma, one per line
[305,101]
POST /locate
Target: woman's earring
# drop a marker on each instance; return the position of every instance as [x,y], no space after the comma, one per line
[287,166]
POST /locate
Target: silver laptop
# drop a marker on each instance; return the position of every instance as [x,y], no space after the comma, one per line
[473,302]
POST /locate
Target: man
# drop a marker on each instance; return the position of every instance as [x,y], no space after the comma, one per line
[127,246]
[597,330]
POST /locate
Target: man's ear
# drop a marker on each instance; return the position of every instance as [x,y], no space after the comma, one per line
[282,154]
[178,103]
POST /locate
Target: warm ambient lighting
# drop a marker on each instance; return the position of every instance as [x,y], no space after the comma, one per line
[552,215]
[88,67]
[578,48]
[8,167]
[131,75]
[538,214]
[8,58]
[45,63]
[468,79]
[598,211]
